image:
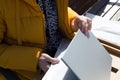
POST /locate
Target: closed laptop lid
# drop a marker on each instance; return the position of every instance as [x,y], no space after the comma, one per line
[87,58]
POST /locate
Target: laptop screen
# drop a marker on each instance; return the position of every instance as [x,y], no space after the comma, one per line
[87,58]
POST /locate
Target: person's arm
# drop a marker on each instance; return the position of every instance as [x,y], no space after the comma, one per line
[71,15]
[77,21]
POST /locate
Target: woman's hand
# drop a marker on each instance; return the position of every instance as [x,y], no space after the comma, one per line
[83,23]
[45,61]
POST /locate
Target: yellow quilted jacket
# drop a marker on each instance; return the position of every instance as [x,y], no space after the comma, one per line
[22,33]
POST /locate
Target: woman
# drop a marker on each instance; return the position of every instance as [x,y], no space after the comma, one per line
[30,33]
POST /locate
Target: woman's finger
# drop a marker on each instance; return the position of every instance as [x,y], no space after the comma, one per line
[44,65]
[50,59]
[84,27]
[89,21]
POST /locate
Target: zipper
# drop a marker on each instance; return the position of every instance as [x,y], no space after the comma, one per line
[19,40]
[44,25]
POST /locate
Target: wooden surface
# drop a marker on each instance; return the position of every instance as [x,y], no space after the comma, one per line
[112,10]
[115,75]
[109,9]
[81,6]
[98,7]
[108,33]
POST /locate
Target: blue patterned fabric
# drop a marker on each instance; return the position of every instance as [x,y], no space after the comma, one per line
[52,32]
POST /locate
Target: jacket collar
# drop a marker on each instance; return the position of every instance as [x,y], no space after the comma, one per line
[32,3]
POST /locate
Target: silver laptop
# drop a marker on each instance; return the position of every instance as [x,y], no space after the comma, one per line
[87,58]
